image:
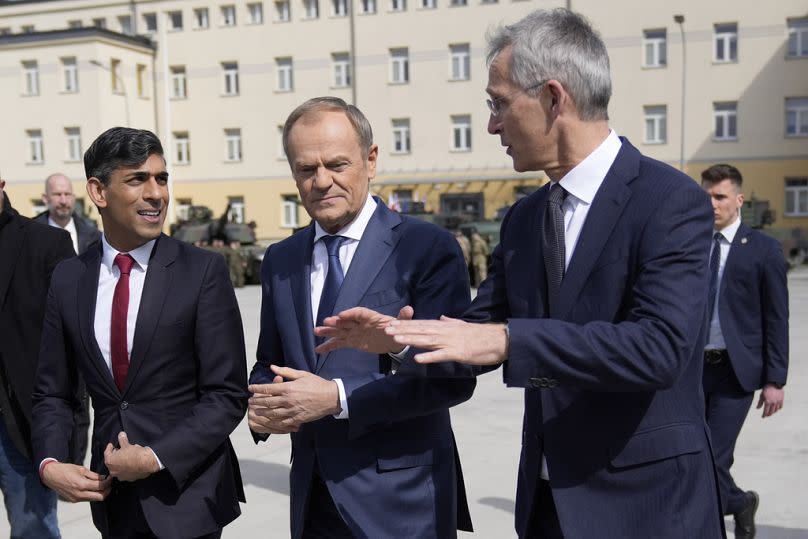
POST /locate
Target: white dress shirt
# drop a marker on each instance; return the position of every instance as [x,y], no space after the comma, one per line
[715,340]
[582,184]
[71,228]
[319,269]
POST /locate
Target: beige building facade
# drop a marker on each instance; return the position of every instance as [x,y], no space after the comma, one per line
[216,80]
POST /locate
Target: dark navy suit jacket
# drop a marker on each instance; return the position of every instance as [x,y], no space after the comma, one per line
[392,468]
[613,393]
[185,391]
[753,309]
[86,230]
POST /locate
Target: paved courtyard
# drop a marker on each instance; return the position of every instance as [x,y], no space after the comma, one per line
[771,457]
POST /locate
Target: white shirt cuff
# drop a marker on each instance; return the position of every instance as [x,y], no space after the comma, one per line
[156,458]
[343,400]
[44,462]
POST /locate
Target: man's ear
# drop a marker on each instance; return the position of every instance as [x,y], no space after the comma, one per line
[373,156]
[96,190]
[45,200]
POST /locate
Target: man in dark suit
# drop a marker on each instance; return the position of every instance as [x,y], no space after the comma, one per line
[153,326]
[28,254]
[60,200]
[747,345]
[373,449]
[595,302]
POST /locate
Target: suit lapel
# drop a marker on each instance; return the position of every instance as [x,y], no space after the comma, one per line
[607,206]
[87,297]
[377,243]
[10,246]
[736,252]
[155,290]
[300,280]
[537,297]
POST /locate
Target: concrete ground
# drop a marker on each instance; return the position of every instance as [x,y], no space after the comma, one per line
[771,456]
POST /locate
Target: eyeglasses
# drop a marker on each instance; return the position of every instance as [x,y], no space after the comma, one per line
[496,105]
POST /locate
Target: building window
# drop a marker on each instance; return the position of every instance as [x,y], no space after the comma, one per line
[401,135]
[726,42]
[256,12]
[398,5]
[656,124]
[100,22]
[73,136]
[429,4]
[182,148]
[179,82]
[150,21]
[30,77]
[27,28]
[726,121]
[175,21]
[183,208]
[235,209]
[796,116]
[340,7]
[228,15]
[36,153]
[232,145]
[655,48]
[201,19]
[489,1]
[796,197]
[70,75]
[399,66]
[289,205]
[230,72]
[342,69]
[461,133]
[75,23]
[456,3]
[285,77]
[140,76]
[311,8]
[282,12]
[459,62]
[368,6]
[115,76]
[125,24]
[798,38]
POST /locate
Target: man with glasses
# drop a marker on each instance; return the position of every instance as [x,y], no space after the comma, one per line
[594,302]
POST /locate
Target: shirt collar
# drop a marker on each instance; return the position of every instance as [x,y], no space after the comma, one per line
[584,180]
[70,226]
[355,228]
[141,254]
[730,230]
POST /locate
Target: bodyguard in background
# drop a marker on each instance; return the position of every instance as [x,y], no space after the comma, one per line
[747,346]
[29,252]
[60,202]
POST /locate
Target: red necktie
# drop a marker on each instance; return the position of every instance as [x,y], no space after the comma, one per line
[120,308]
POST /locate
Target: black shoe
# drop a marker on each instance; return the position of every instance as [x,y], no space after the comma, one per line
[745,520]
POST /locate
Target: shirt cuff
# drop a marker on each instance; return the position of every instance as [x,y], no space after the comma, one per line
[397,358]
[44,463]
[343,400]
[156,458]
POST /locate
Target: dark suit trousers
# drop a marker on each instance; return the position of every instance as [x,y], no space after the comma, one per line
[323,521]
[544,518]
[126,519]
[727,405]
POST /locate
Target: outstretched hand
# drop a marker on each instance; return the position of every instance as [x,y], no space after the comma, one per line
[362,329]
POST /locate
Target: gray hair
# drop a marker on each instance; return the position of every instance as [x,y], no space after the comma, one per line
[331,104]
[562,45]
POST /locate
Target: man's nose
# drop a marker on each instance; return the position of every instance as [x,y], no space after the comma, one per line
[152,190]
[493,124]
[322,178]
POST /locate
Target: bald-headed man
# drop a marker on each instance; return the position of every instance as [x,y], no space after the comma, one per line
[61,201]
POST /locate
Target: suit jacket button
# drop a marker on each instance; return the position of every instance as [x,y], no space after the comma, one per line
[124,405]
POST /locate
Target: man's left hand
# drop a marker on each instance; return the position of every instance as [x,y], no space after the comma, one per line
[303,397]
[771,399]
[130,462]
[450,339]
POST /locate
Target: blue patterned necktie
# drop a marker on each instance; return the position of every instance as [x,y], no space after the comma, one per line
[333,279]
[554,244]
[715,260]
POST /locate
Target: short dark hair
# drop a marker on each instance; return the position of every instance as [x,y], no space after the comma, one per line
[720,172]
[119,147]
[364,133]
